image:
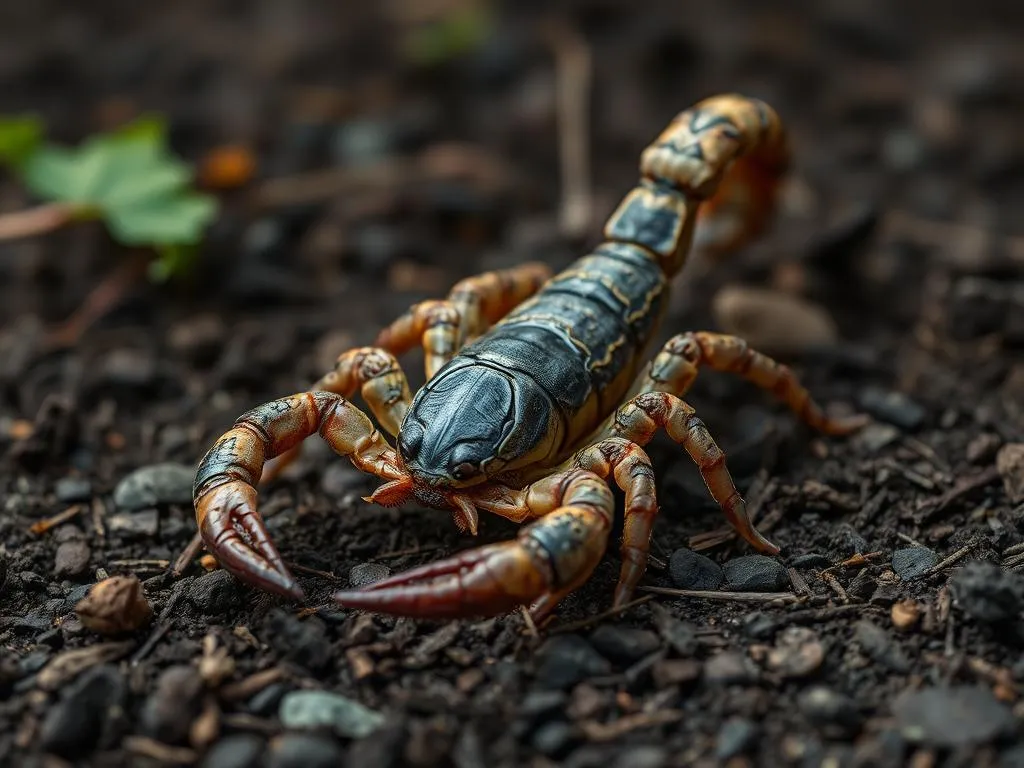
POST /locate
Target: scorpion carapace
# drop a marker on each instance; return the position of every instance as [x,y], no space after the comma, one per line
[537,396]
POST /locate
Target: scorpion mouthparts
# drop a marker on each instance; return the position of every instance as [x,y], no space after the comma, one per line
[391,494]
[465,514]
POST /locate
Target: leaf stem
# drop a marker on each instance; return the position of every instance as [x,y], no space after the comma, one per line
[36,221]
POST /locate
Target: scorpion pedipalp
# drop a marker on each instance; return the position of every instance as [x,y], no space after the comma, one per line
[550,558]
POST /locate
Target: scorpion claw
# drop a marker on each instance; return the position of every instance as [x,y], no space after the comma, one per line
[487,581]
[226,514]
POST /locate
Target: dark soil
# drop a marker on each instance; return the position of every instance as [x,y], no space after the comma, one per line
[902,219]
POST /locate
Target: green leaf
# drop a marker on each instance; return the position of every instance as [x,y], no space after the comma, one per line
[454,33]
[172,260]
[130,179]
[19,137]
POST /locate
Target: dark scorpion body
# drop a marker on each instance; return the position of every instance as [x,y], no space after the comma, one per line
[537,396]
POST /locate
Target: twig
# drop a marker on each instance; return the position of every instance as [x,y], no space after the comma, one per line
[835,586]
[187,555]
[531,627]
[157,750]
[313,571]
[599,617]
[253,684]
[596,731]
[960,553]
[735,597]
[573,76]
[42,526]
[154,638]
[911,540]
[933,506]
[36,221]
[1016,549]
[98,511]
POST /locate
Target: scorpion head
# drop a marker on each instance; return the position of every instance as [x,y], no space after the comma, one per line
[468,424]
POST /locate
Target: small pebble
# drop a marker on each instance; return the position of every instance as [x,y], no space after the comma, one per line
[834,713]
[912,562]
[624,645]
[169,710]
[905,614]
[670,672]
[302,642]
[135,524]
[797,653]
[811,560]
[878,645]
[1010,463]
[73,489]
[71,559]
[847,542]
[988,593]
[114,606]
[875,436]
[239,750]
[364,574]
[728,668]
[564,660]
[321,709]
[539,704]
[554,739]
[154,485]
[983,448]
[301,750]
[756,573]
[893,407]
[692,570]
[952,718]
[773,322]
[214,593]
[736,736]
[75,725]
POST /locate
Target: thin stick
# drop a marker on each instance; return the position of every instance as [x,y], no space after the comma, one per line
[735,597]
[583,623]
[959,554]
[187,555]
[35,221]
[573,76]
[42,526]
[531,627]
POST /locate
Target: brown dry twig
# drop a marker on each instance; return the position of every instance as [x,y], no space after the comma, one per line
[36,221]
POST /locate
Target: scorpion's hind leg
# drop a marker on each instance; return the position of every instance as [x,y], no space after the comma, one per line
[549,558]
[442,327]
[224,492]
[676,366]
[379,378]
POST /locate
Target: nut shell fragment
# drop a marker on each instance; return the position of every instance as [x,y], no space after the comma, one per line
[115,606]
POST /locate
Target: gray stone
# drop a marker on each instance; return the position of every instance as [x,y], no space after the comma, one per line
[156,484]
[952,718]
[320,709]
[913,562]
[756,573]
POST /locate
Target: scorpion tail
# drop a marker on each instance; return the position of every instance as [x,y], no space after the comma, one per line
[549,559]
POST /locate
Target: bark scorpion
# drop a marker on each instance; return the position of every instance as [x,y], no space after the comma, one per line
[537,397]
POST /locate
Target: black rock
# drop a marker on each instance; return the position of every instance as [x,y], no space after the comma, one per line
[952,718]
[624,645]
[170,709]
[297,750]
[564,660]
[302,642]
[154,485]
[811,560]
[880,646]
[77,724]
[364,574]
[692,570]
[538,705]
[986,592]
[847,542]
[756,573]
[912,562]
[266,702]
[834,713]
[72,489]
[729,668]
[735,737]
[214,593]
[239,750]
[893,407]
[554,739]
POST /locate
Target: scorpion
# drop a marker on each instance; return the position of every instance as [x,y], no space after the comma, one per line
[538,396]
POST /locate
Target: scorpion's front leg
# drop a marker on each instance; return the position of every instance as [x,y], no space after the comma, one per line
[473,304]
[224,493]
[550,557]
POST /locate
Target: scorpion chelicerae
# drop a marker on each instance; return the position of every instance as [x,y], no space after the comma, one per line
[537,397]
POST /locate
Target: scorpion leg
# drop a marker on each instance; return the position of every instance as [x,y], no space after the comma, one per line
[677,365]
[473,304]
[224,491]
[638,421]
[549,558]
[381,381]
